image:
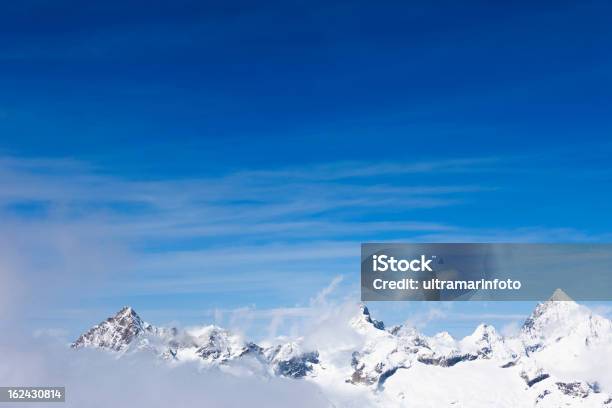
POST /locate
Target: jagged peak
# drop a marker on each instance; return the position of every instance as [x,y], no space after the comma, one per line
[552,317]
[363,309]
[116,332]
[559,300]
[127,311]
[560,296]
[128,315]
[485,332]
[364,314]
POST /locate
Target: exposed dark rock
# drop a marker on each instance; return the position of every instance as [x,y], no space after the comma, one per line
[115,333]
[376,323]
[297,367]
[444,361]
[574,389]
[542,396]
[532,381]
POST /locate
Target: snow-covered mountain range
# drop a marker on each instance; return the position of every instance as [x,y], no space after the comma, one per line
[561,357]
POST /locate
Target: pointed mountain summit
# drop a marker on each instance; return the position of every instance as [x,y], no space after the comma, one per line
[363,322]
[396,362]
[561,320]
[550,315]
[486,342]
[560,296]
[368,318]
[115,333]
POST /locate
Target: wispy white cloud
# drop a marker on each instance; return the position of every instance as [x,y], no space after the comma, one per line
[422,319]
[511,328]
[346,170]
[77,235]
[98,379]
[73,225]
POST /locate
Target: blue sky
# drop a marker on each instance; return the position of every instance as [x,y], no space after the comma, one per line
[144,146]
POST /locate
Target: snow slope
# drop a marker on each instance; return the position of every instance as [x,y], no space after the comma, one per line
[561,357]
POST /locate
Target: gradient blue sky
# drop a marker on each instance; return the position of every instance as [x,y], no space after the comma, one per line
[143,144]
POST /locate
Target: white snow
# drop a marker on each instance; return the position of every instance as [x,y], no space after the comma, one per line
[560,357]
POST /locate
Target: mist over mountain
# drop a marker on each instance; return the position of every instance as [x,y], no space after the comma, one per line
[559,358]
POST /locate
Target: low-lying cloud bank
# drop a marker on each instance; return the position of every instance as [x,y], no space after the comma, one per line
[94,379]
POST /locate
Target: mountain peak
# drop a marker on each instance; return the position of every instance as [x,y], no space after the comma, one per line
[127,312]
[363,309]
[363,320]
[115,333]
[550,318]
[385,360]
[126,309]
[560,296]
[368,318]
